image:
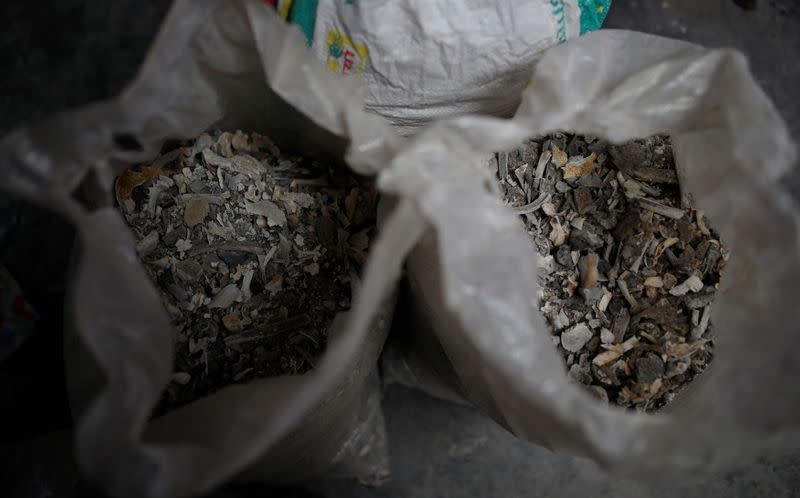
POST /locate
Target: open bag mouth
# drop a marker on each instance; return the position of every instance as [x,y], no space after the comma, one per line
[118,354]
[488,279]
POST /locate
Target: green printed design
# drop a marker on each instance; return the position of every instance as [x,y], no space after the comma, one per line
[304,14]
[593,13]
[557,11]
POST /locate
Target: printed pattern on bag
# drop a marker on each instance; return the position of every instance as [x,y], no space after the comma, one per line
[302,13]
[344,56]
[593,13]
[561,20]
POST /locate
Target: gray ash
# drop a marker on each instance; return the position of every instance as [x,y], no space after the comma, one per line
[253,251]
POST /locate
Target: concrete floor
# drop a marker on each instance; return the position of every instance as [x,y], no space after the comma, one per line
[438,449]
[444,450]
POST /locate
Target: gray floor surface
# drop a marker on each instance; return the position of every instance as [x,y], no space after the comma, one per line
[438,449]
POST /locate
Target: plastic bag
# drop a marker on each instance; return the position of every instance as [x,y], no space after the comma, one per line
[230,65]
[474,277]
[428,59]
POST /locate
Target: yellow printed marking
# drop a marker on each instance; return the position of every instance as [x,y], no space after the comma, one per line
[284,8]
[344,56]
